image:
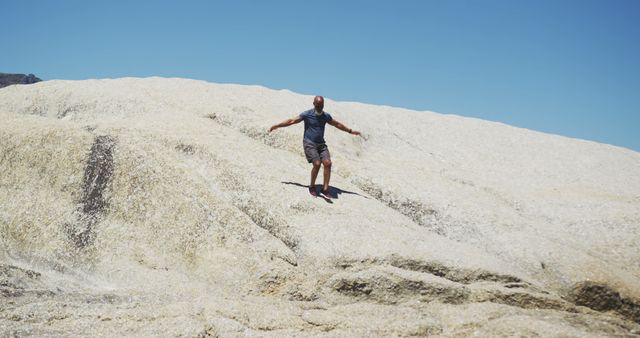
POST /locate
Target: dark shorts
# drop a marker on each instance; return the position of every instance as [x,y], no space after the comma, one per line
[316,151]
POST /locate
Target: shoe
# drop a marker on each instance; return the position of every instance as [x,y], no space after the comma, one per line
[313,192]
[327,194]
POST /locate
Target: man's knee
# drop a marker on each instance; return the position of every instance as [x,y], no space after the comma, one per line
[326,163]
[316,163]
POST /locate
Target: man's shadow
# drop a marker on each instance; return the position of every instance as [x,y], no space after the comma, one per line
[332,190]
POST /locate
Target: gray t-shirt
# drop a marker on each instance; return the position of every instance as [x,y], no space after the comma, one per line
[314,125]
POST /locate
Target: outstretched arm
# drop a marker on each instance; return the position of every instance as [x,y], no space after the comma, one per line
[342,127]
[286,123]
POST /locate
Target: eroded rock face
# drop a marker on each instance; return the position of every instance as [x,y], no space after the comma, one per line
[120,196]
[601,297]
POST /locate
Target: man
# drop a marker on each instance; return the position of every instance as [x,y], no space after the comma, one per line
[315,148]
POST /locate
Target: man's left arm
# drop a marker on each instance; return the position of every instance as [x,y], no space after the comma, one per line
[342,127]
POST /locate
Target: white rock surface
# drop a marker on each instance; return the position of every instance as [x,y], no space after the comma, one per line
[163,207]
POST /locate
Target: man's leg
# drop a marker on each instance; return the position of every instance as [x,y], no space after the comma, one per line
[326,174]
[314,173]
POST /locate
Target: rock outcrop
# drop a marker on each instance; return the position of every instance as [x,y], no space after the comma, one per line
[163,207]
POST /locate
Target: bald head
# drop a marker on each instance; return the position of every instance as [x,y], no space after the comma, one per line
[318,102]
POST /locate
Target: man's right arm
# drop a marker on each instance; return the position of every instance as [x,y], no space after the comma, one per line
[286,123]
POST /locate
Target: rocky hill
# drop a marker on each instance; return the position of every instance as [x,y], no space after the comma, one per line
[11,79]
[163,207]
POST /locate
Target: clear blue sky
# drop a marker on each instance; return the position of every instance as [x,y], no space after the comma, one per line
[560,66]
